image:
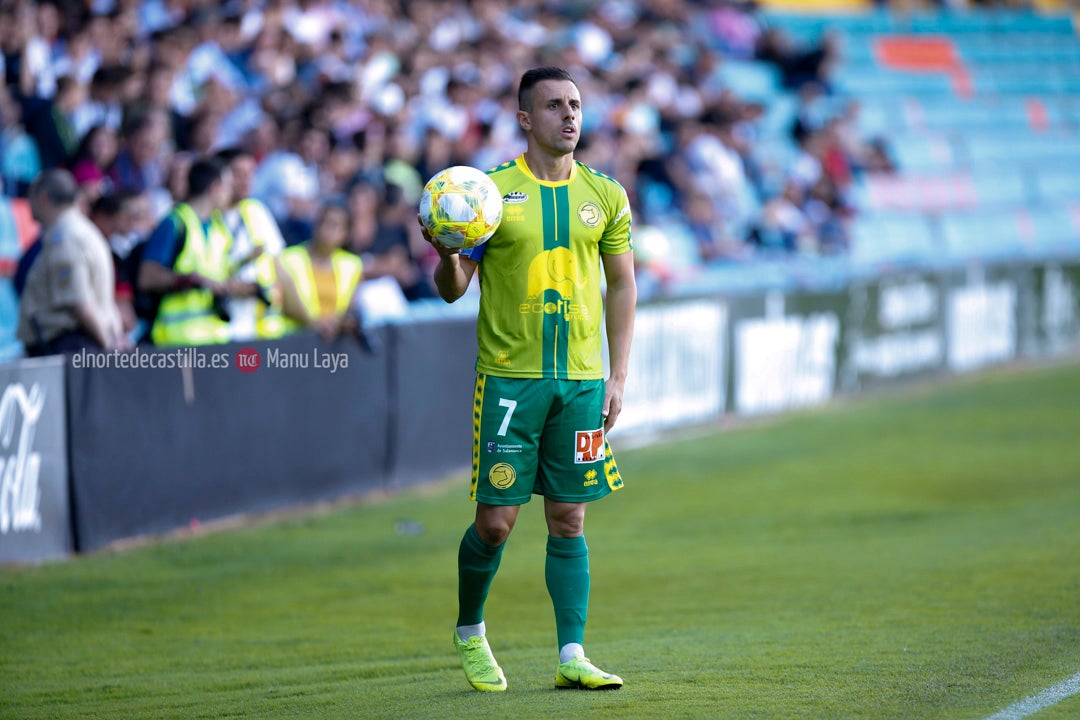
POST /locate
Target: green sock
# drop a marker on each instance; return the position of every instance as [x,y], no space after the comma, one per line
[477,564]
[567,575]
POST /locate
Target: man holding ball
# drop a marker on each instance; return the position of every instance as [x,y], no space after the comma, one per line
[542,407]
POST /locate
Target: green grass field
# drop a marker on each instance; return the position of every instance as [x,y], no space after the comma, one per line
[916,556]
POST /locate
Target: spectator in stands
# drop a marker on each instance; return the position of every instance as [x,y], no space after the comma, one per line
[28,69]
[104,101]
[798,65]
[254,255]
[115,216]
[384,234]
[184,267]
[91,162]
[142,161]
[783,225]
[50,122]
[68,302]
[20,161]
[288,181]
[327,277]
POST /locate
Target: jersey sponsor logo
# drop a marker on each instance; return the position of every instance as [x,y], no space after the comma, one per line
[502,475]
[588,446]
[515,197]
[557,270]
[590,479]
[589,214]
[497,447]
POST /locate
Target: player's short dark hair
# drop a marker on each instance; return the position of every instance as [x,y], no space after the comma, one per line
[202,174]
[57,185]
[537,75]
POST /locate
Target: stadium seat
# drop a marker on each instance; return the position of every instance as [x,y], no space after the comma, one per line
[892,238]
[997,190]
[1057,184]
[750,79]
[1052,228]
[923,151]
[983,234]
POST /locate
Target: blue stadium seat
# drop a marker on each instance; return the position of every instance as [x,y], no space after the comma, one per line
[995,190]
[923,151]
[1057,184]
[1028,146]
[891,238]
[1053,228]
[871,81]
[750,79]
[981,234]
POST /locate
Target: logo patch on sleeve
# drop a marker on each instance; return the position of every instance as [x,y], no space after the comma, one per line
[588,446]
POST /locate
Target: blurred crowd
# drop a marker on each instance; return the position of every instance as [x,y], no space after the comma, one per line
[355,104]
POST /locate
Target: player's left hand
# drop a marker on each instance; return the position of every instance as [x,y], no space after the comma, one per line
[612,405]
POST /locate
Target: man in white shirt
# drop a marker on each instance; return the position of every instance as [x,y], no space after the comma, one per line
[69,301]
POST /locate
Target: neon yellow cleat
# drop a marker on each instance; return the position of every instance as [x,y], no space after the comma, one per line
[481,670]
[581,674]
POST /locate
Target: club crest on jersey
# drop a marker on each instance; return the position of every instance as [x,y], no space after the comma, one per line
[588,446]
[589,214]
[515,197]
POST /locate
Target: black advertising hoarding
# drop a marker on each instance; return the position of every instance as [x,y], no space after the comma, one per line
[431,407]
[1053,324]
[35,511]
[172,438]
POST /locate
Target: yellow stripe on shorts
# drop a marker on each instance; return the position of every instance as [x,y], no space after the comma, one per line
[478,405]
[611,470]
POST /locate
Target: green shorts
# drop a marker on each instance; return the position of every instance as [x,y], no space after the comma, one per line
[539,436]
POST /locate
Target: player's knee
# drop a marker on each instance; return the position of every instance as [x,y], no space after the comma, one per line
[566,521]
[493,525]
[493,534]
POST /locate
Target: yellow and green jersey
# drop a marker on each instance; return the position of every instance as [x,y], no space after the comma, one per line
[541,310]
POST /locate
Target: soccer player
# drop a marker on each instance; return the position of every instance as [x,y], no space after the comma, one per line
[541,405]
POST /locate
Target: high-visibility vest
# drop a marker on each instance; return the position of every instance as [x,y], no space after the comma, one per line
[187,317]
[296,261]
[269,322]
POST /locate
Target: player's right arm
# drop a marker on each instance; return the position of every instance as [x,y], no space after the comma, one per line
[454,272]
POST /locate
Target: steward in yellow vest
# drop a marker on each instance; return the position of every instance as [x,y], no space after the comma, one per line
[254,255]
[326,277]
[185,263]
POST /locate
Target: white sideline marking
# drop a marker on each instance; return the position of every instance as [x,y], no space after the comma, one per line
[1050,696]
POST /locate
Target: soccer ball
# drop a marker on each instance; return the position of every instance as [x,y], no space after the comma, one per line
[461,207]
